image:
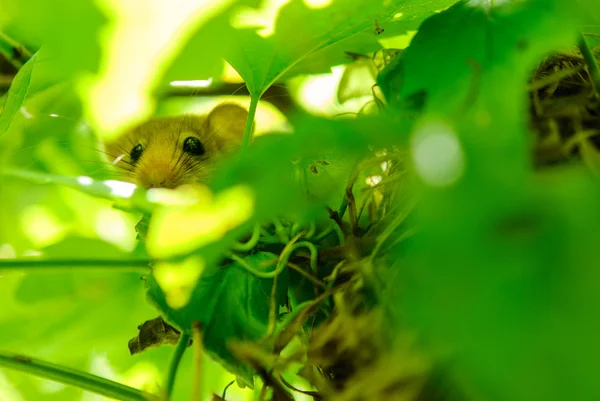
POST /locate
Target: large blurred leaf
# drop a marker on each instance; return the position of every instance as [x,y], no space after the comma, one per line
[16,95]
[498,252]
[301,31]
[231,303]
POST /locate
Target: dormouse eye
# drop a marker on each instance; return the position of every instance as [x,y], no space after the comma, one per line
[136,153]
[193,146]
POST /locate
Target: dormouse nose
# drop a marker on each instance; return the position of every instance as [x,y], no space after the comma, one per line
[157,175]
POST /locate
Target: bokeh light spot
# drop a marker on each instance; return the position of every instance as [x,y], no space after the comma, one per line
[437,154]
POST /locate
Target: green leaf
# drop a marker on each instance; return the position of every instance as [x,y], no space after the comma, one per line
[277,189]
[490,271]
[231,303]
[301,31]
[326,175]
[16,95]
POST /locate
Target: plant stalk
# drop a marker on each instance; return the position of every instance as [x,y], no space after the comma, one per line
[73,377]
[123,265]
[182,345]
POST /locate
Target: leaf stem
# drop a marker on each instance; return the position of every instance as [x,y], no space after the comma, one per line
[182,345]
[591,62]
[254,98]
[73,377]
[60,264]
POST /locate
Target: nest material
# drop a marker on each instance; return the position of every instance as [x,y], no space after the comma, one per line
[564,109]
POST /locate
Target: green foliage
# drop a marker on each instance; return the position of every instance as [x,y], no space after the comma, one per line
[424,208]
[302,31]
[231,303]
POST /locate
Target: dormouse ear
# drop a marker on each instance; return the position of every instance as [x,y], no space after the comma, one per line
[226,122]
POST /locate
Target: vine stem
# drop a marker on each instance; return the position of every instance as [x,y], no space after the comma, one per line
[590,60]
[281,263]
[73,377]
[251,243]
[68,264]
[254,98]
[182,345]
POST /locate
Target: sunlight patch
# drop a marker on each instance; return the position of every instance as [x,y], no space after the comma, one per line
[139,43]
[85,180]
[120,188]
[7,251]
[100,366]
[437,154]
[178,230]
[488,4]
[41,226]
[8,391]
[145,376]
[316,4]
[265,17]
[319,91]
[115,228]
[25,112]
[197,83]
[177,280]
[373,180]
[48,386]
[184,195]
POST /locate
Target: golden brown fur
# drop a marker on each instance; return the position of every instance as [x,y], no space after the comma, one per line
[163,161]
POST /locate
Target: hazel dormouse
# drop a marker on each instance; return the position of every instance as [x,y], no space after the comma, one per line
[172,151]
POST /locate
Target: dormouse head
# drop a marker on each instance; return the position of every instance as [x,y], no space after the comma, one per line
[168,152]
